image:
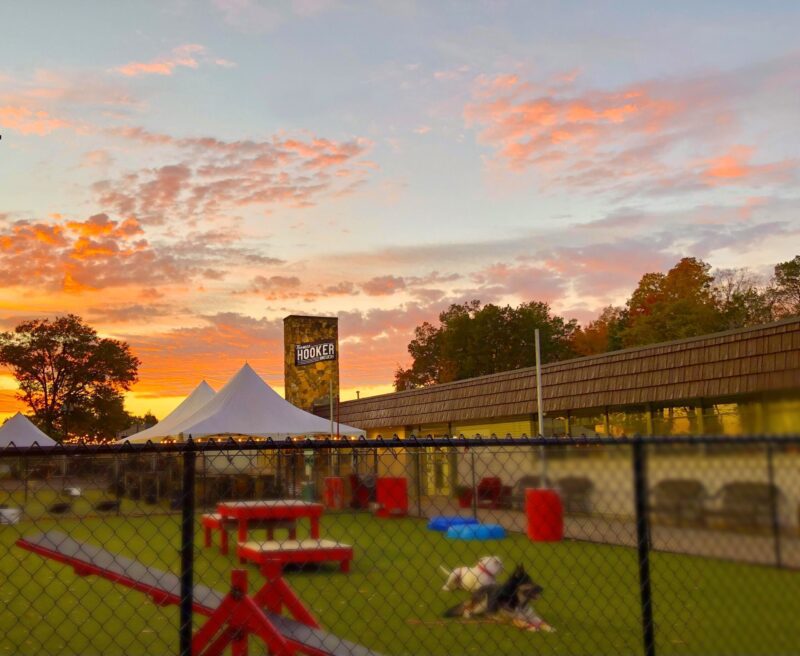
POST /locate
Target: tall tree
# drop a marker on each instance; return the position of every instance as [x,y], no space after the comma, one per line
[741,298]
[673,306]
[67,372]
[473,340]
[785,288]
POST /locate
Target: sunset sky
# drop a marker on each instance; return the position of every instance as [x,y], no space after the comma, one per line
[185,174]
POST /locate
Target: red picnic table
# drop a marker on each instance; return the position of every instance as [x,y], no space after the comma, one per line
[273,509]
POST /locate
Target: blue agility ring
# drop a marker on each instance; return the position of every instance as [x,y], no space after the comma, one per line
[476,532]
[444,522]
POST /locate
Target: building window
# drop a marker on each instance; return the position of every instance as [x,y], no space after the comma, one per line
[628,422]
[675,420]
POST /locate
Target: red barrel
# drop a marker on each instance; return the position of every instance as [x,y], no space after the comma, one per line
[333,495]
[392,497]
[545,515]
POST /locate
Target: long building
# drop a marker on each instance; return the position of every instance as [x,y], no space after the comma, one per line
[732,383]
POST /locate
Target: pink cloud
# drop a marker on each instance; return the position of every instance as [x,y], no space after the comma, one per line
[383,285]
[189,55]
[734,167]
[212,176]
[635,140]
[30,121]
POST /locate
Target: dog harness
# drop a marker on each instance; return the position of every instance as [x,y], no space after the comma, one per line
[484,570]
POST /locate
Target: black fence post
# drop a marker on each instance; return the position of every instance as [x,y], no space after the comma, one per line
[773,507]
[419,481]
[187,549]
[474,487]
[643,545]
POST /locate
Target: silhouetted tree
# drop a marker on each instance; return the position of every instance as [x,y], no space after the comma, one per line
[70,378]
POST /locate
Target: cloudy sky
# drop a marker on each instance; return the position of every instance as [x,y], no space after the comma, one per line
[185,174]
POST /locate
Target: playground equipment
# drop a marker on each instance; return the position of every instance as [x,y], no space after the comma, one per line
[232,617]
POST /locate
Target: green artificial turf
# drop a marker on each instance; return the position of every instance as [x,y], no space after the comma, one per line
[392,602]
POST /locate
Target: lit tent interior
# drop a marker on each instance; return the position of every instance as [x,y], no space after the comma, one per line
[20,431]
[245,407]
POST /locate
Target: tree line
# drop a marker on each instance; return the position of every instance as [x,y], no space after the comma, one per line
[71,379]
[689,300]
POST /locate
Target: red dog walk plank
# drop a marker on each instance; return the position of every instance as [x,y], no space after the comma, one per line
[230,615]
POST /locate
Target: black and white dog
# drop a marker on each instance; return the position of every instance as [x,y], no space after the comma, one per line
[510,600]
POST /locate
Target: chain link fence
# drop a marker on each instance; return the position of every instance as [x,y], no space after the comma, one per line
[415,546]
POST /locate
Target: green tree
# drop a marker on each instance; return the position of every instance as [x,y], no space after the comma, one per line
[70,378]
[785,288]
[474,340]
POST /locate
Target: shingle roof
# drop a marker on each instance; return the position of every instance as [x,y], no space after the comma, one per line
[746,361]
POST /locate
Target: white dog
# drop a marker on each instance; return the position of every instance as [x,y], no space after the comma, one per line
[485,572]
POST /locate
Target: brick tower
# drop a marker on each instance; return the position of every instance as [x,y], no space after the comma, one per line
[311,359]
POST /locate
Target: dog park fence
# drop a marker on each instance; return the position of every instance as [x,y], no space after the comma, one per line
[673,545]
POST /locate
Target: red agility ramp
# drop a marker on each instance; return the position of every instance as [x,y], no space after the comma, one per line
[232,617]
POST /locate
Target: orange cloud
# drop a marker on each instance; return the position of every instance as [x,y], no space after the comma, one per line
[731,165]
[76,256]
[524,130]
[30,121]
[185,56]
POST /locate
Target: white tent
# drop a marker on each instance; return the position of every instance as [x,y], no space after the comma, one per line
[248,407]
[201,395]
[21,431]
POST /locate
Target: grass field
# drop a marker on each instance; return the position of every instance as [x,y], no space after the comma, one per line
[391,600]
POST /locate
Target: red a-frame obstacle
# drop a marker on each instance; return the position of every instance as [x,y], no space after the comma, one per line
[232,617]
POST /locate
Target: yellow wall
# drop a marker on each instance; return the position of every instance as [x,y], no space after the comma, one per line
[387,432]
[516,426]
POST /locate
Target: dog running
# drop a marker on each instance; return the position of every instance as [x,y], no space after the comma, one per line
[510,601]
[485,572]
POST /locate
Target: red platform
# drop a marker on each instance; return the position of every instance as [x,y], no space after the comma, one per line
[392,497]
[232,617]
[296,552]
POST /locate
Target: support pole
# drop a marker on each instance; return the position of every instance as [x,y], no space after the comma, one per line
[643,545]
[540,411]
[419,481]
[773,506]
[330,400]
[187,549]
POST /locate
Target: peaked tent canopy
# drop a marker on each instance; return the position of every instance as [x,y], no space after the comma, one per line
[201,395]
[22,432]
[248,407]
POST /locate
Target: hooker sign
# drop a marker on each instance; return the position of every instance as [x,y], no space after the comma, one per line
[315,352]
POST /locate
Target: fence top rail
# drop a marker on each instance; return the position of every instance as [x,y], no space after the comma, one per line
[394,442]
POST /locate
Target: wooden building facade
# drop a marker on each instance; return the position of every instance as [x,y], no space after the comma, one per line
[735,382]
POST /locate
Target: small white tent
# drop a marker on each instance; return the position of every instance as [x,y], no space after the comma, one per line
[21,431]
[248,407]
[201,395]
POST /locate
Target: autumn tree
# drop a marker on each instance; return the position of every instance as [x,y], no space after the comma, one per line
[601,335]
[70,378]
[474,340]
[785,288]
[678,304]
